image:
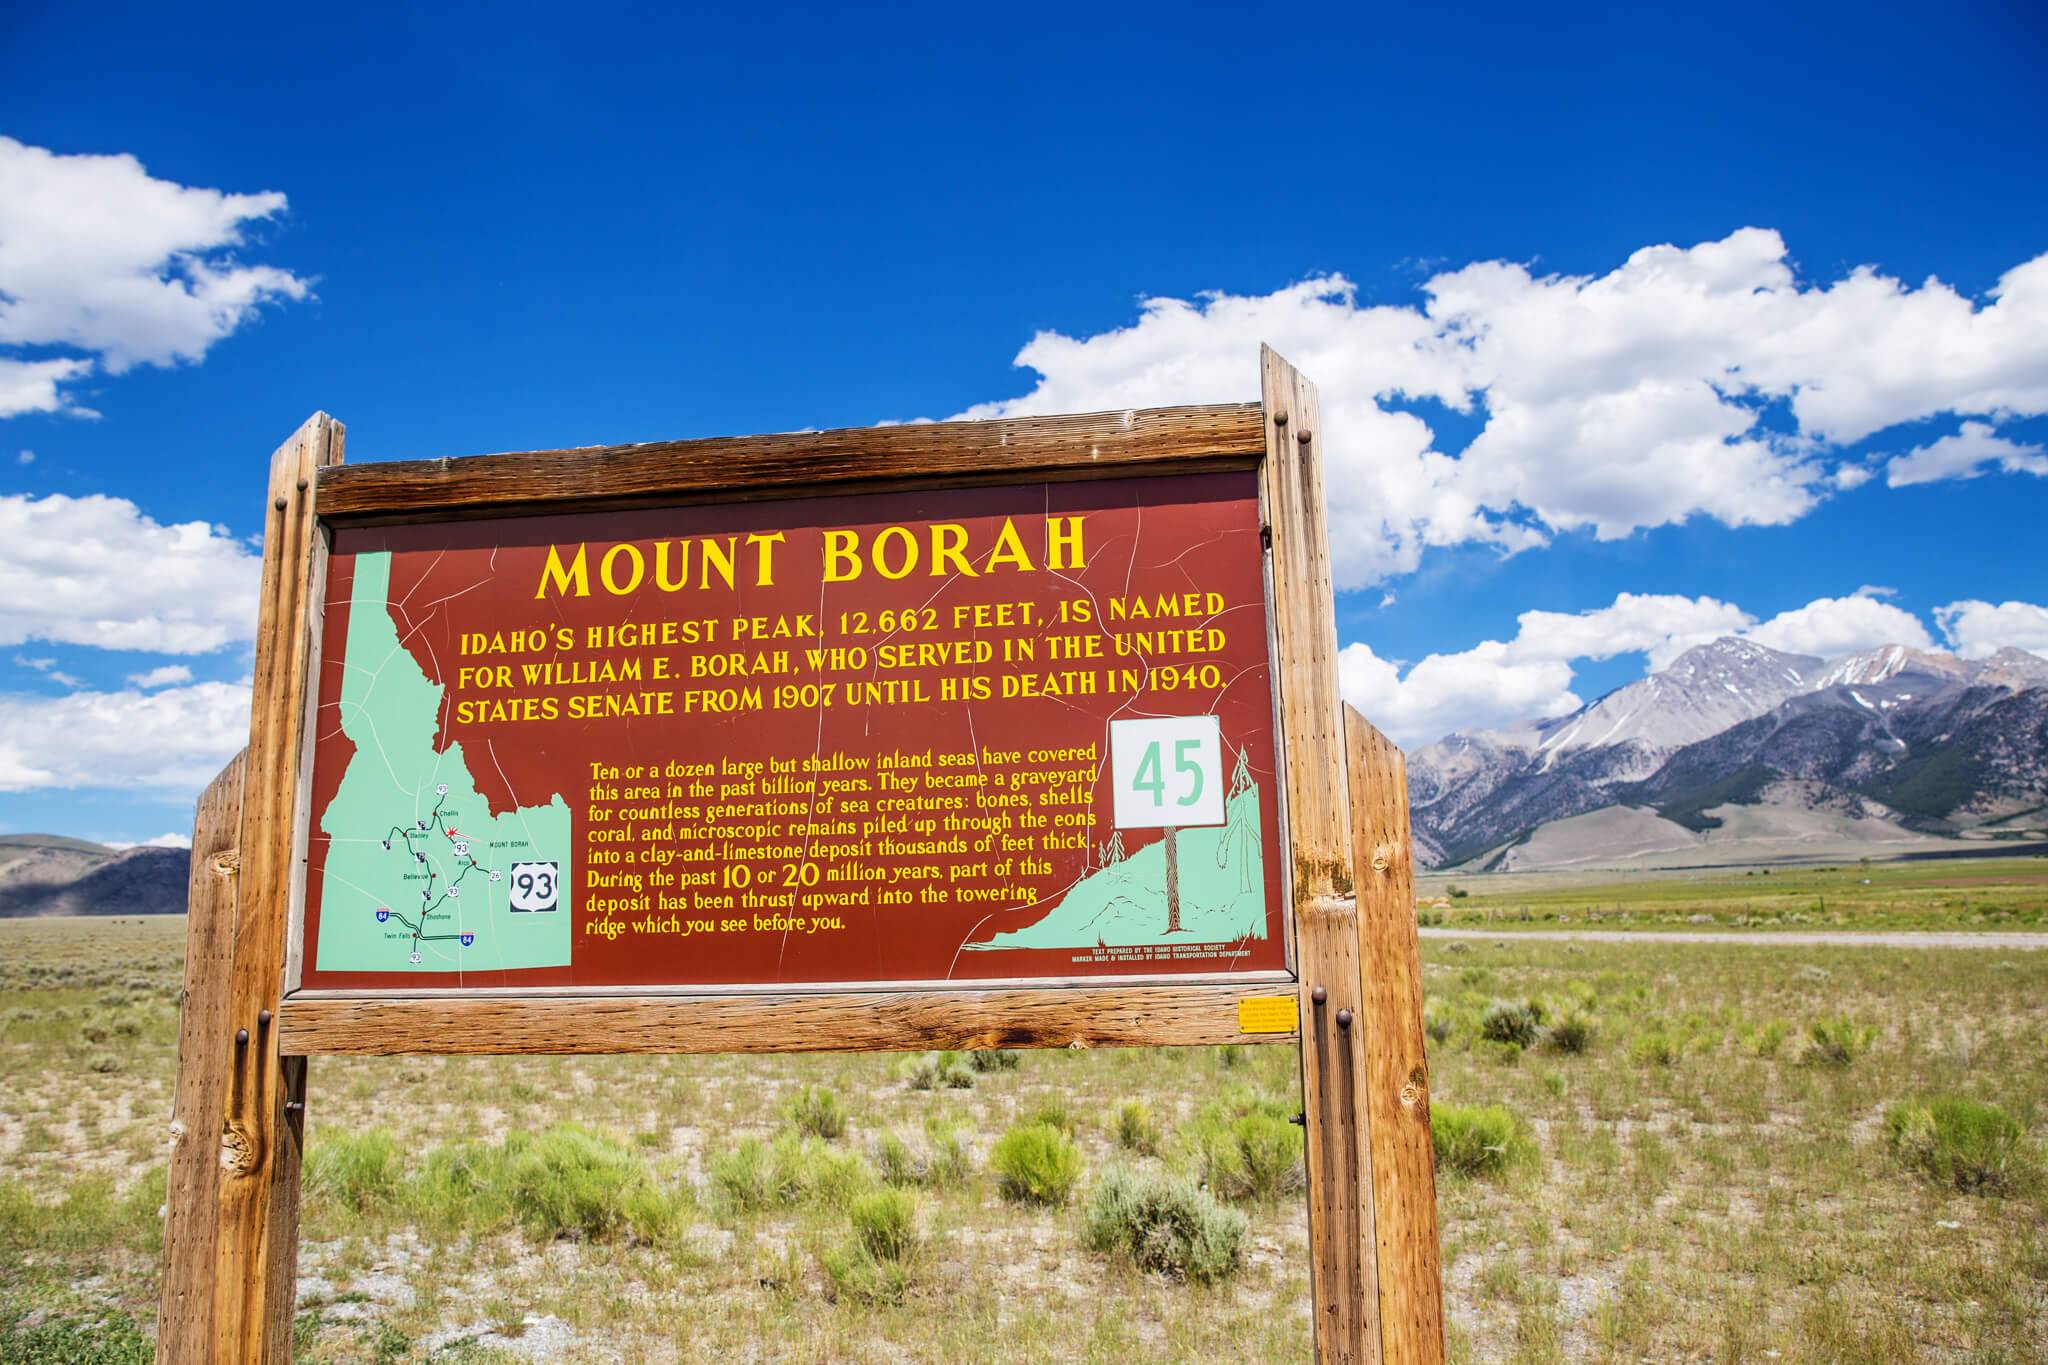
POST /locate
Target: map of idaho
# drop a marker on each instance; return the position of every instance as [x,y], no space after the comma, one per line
[420,876]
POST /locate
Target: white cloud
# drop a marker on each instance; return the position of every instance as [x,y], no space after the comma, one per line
[96,571]
[31,386]
[1977,629]
[1481,688]
[1964,455]
[163,676]
[25,457]
[161,841]
[172,740]
[1610,403]
[1829,626]
[1659,626]
[99,257]
[1496,683]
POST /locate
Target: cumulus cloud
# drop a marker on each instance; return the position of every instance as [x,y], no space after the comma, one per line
[171,740]
[1977,629]
[161,841]
[96,571]
[1702,381]
[163,676]
[1970,452]
[1496,683]
[1829,626]
[31,386]
[99,257]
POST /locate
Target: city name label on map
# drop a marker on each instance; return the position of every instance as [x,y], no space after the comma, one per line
[1008,733]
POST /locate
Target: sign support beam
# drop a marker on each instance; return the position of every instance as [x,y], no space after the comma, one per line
[263,1128]
[1343,1265]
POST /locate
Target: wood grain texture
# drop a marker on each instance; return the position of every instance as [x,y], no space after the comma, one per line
[853,1021]
[1012,448]
[1397,1063]
[199,1098]
[256,1253]
[1342,1249]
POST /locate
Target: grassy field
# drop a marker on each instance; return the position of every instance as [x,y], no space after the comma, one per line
[1699,1152]
[1938,894]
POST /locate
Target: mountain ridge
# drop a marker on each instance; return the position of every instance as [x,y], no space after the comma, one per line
[1895,737]
[49,874]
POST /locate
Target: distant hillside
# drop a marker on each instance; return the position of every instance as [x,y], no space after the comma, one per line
[1736,744]
[47,874]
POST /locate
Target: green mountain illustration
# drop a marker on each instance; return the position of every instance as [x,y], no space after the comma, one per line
[1222,891]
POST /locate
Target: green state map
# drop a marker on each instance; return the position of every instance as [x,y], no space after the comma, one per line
[419,875]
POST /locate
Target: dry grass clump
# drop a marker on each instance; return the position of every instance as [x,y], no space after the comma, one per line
[876,1265]
[1479,1139]
[1836,1042]
[1136,1130]
[1245,1148]
[1036,1163]
[940,1162]
[1978,1148]
[789,1171]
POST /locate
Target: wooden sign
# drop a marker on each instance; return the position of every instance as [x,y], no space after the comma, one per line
[1021,732]
[1014,733]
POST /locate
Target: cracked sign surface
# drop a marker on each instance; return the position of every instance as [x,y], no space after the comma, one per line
[879,738]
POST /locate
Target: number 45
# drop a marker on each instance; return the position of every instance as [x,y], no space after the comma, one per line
[1186,759]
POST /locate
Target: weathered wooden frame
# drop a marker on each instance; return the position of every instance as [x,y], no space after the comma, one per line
[244,1036]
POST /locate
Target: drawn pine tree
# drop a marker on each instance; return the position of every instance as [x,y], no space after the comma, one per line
[1113,851]
[1240,776]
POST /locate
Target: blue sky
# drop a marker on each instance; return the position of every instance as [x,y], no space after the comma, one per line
[501,230]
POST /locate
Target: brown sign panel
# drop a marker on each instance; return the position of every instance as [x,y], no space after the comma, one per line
[1018,732]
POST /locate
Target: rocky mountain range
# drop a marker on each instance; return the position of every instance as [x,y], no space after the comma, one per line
[1892,745]
[45,874]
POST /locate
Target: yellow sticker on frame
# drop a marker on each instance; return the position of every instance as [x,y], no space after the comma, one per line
[1268,1014]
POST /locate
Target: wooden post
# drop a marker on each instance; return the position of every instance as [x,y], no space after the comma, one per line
[198,1103]
[256,1254]
[1342,1250]
[1397,1065]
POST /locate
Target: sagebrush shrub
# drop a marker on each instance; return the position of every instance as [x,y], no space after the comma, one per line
[816,1112]
[1479,1139]
[1507,1022]
[1976,1147]
[995,1059]
[1036,1163]
[1164,1223]
[934,1069]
